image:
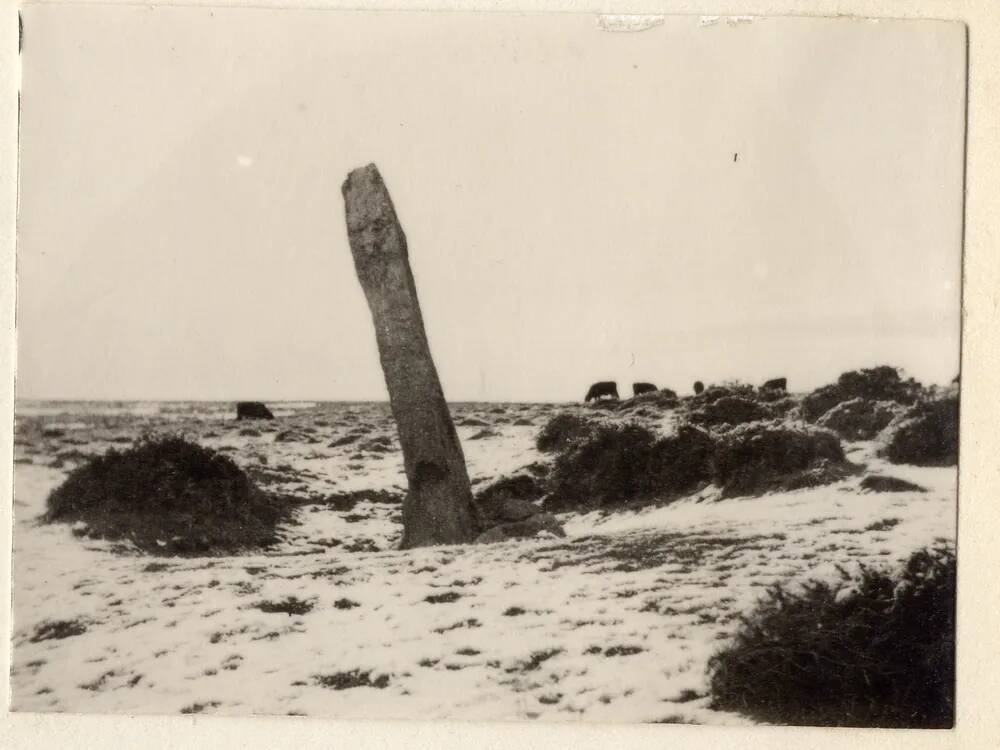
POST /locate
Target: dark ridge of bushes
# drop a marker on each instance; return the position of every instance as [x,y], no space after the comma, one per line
[682,462]
[168,496]
[662,399]
[761,457]
[730,410]
[722,390]
[561,431]
[873,384]
[617,464]
[859,418]
[926,436]
[878,654]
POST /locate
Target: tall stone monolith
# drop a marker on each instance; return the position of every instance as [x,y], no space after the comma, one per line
[438,507]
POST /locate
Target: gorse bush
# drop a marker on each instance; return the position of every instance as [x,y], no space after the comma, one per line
[722,390]
[859,418]
[927,435]
[763,457]
[617,464]
[168,496]
[874,384]
[876,651]
[731,410]
[562,430]
[607,466]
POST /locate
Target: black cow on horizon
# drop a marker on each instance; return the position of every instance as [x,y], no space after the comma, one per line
[252,410]
[777,384]
[639,388]
[600,390]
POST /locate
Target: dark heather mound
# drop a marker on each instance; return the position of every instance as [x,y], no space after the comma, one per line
[876,483]
[168,496]
[663,399]
[874,384]
[761,457]
[926,436]
[561,431]
[859,418]
[730,410]
[619,464]
[714,392]
[878,654]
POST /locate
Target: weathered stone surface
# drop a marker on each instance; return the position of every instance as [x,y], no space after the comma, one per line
[438,507]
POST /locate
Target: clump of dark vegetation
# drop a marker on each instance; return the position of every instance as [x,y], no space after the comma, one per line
[290,605]
[562,431]
[763,457]
[446,598]
[859,418]
[52,630]
[168,496]
[486,432]
[878,654]
[353,679]
[345,501]
[877,483]
[522,485]
[722,390]
[927,435]
[378,444]
[874,384]
[661,399]
[618,464]
[731,410]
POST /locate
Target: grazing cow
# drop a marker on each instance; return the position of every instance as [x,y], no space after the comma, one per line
[252,410]
[640,388]
[600,390]
[778,384]
[698,387]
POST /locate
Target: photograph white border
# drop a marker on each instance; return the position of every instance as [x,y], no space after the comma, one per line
[978,720]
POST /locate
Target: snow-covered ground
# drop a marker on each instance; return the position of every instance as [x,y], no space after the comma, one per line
[613,623]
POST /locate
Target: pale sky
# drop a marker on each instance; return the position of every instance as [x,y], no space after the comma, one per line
[570,197]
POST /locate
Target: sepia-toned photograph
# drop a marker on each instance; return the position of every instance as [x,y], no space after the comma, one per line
[488,366]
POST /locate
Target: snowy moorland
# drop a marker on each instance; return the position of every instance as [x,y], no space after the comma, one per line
[614,622]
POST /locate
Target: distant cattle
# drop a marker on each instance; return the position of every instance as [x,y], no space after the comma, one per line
[600,390]
[252,410]
[640,388]
[698,387]
[778,384]
[668,393]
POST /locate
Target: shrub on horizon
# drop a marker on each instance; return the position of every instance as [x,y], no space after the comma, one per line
[730,410]
[562,430]
[881,383]
[618,464]
[760,457]
[926,435]
[859,418]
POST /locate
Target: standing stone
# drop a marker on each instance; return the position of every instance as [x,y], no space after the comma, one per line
[438,507]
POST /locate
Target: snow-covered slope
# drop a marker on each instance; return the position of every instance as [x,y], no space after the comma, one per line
[614,623]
